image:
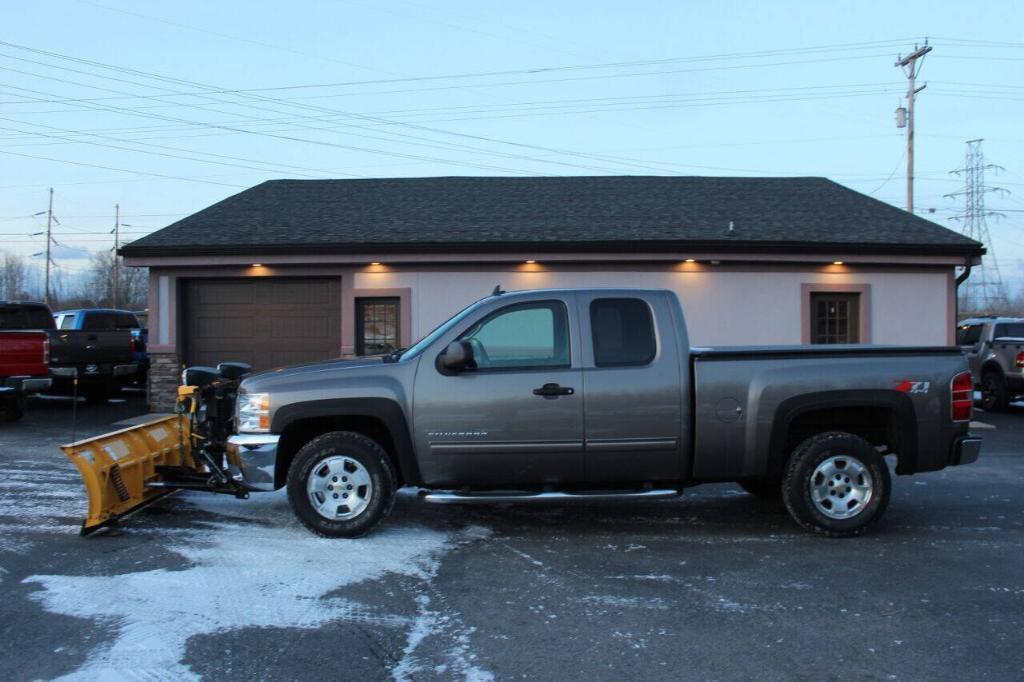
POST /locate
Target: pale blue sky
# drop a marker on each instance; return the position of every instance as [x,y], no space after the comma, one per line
[564,88]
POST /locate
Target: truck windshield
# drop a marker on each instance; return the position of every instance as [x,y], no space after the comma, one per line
[427,340]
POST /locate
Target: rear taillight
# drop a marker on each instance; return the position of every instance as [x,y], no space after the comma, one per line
[46,350]
[962,397]
[1020,360]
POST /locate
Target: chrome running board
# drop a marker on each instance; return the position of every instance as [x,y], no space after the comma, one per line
[448,497]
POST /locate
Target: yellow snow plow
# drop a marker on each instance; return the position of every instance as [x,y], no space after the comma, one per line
[126,470]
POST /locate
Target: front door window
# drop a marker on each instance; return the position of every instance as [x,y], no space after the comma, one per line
[530,335]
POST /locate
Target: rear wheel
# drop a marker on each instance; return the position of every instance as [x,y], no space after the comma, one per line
[994,396]
[341,484]
[836,484]
[12,410]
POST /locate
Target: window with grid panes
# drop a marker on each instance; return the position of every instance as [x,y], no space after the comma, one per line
[377,325]
[835,318]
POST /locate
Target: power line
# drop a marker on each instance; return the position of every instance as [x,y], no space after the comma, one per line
[122,170]
[487,74]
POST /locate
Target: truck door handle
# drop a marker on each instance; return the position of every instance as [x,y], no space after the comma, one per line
[553,390]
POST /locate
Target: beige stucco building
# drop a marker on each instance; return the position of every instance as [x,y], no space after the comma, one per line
[292,271]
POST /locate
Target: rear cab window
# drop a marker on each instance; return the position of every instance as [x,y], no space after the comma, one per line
[623,332]
[25,317]
[126,321]
[99,322]
[1009,330]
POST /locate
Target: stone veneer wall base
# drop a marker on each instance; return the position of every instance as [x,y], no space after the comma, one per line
[164,376]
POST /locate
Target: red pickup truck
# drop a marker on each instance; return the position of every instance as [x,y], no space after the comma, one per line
[24,356]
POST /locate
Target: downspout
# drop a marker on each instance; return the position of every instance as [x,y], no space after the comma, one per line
[956,292]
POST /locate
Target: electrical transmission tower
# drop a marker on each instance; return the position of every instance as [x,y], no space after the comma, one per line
[983,292]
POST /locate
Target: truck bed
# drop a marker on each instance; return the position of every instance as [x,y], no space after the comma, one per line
[745,394]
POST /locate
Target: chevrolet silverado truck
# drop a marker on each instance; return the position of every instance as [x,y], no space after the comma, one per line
[994,347]
[552,395]
[24,358]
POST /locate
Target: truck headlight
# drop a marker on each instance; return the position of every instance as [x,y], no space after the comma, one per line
[253,412]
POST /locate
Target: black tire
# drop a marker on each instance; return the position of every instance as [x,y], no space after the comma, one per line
[12,410]
[852,454]
[994,396]
[96,394]
[359,451]
[765,488]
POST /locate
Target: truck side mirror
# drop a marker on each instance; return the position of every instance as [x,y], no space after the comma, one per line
[457,356]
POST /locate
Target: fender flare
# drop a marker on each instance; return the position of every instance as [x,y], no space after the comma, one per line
[898,403]
[992,366]
[386,410]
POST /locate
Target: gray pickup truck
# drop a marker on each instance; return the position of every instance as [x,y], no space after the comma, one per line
[577,394]
[994,347]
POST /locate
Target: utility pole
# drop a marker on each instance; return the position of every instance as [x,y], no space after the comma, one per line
[911,65]
[984,292]
[117,234]
[49,241]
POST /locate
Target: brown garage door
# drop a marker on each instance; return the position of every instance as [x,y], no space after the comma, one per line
[264,321]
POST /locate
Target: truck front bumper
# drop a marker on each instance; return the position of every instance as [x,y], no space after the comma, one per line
[965,450]
[252,459]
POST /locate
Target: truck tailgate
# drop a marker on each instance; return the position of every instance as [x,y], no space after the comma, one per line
[23,353]
[69,347]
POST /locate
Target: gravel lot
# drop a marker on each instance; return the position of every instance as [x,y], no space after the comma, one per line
[714,585]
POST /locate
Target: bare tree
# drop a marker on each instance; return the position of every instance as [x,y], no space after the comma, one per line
[13,277]
[132,283]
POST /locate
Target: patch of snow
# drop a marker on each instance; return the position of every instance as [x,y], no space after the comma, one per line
[256,568]
[661,578]
[36,499]
[626,602]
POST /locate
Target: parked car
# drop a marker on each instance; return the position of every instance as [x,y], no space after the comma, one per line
[995,353]
[24,356]
[109,319]
[553,395]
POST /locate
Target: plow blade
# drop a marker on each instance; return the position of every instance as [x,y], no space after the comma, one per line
[116,467]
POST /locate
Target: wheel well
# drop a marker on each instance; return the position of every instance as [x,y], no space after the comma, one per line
[300,432]
[880,426]
[992,368]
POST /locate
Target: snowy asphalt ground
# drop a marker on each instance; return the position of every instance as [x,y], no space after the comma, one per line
[714,585]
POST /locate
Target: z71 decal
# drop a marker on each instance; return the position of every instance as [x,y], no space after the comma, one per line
[909,386]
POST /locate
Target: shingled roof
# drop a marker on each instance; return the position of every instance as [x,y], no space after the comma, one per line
[563,214]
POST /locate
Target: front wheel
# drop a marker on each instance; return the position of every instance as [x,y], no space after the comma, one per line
[836,484]
[341,484]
